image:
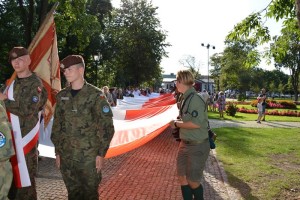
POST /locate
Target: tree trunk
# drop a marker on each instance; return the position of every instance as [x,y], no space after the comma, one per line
[27,18]
[43,11]
[298,11]
[30,22]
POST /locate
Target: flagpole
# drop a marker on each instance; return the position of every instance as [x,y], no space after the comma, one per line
[34,40]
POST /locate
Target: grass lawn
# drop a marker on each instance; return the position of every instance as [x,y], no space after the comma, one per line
[261,163]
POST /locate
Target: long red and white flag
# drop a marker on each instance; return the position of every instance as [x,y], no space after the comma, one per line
[136,120]
[45,63]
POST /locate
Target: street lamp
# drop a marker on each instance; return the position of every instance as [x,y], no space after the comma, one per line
[97,57]
[213,47]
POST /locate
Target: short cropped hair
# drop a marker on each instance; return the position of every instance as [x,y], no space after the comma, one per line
[185,77]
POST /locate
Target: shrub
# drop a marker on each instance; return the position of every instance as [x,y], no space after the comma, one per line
[241,97]
[231,109]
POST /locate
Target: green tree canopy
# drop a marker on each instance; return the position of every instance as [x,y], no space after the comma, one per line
[136,43]
[286,52]
[235,65]
[190,62]
[216,61]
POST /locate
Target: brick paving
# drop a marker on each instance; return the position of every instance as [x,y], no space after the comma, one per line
[148,172]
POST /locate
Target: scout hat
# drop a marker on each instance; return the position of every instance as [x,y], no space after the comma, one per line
[17,52]
[71,60]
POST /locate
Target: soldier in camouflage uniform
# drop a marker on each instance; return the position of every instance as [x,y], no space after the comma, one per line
[6,151]
[29,98]
[82,131]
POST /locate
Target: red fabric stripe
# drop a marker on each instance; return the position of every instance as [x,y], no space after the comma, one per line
[115,151]
[16,171]
[31,144]
[144,112]
[42,47]
[14,161]
[162,103]
[51,97]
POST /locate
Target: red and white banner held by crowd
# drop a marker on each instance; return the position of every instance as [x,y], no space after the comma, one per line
[137,121]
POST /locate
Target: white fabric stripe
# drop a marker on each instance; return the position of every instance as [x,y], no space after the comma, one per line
[23,171]
[21,142]
[127,131]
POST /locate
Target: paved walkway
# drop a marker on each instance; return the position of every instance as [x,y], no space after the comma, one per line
[148,172]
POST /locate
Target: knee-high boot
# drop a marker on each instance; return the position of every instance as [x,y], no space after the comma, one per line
[186,191]
[198,193]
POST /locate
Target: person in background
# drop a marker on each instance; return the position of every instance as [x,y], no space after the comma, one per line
[194,144]
[120,93]
[210,101]
[24,100]
[82,131]
[6,152]
[259,109]
[215,106]
[136,92]
[108,96]
[263,95]
[221,103]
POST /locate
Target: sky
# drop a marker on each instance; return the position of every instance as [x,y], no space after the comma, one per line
[190,23]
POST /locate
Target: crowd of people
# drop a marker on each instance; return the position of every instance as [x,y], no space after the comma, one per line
[83,129]
[114,93]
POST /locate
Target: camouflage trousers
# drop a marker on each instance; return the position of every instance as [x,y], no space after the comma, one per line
[81,178]
[27,193]
[5,179]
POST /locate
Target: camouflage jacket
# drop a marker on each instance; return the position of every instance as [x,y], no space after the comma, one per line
[83,124]
[30,97]
[6,144]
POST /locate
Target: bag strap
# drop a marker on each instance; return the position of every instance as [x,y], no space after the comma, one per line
[184,102]
[208,126]
[190,98]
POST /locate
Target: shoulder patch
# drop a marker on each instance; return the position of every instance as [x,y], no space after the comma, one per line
[194,113]
[35,99]
[2,140]
[105,109]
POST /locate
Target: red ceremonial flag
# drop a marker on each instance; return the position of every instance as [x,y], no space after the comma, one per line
[45,63]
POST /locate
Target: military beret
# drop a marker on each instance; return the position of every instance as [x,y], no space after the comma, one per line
[71,60]
[17,52]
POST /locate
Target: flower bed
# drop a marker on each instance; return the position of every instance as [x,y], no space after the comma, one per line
[292,113]
[277,104]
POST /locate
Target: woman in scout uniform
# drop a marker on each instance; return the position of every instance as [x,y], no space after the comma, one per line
[194,146]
